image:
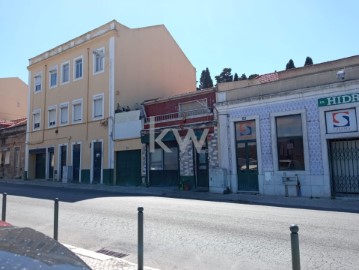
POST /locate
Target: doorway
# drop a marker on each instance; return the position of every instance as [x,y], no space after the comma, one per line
[76,159]
[97,162]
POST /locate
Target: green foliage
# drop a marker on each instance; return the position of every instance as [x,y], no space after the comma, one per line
[308,61]
[290,65]
[235,77]
[205,80]
[225,76]
[253,76]
[243,77]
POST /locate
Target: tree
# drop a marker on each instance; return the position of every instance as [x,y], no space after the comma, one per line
[225,76]
[235,77]
[290,65]
[253,76]
[243,77]
[308,61]
[205,80]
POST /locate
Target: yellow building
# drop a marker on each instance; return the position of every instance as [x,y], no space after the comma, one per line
[78,90]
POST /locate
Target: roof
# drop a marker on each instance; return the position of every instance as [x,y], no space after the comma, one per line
[13,123]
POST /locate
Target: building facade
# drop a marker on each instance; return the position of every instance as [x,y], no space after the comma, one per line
[13,99]
[77,90]
[12,148]
[179,141]
[294,132]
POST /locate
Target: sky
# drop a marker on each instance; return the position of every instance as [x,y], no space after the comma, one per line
[251,37]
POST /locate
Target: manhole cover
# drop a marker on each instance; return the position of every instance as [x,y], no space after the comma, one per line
[112,253]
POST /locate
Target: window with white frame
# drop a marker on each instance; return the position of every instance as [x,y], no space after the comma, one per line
[64,113]
[98,60]
[77,111]
[7,157]
[52,116]
[97,108]
[65,72]
[78,68]
[37,83]
[36,119]
[290,142]
[53,77]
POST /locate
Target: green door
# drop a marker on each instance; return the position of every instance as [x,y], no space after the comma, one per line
[247,166]
[40,166]
[128,168]
[202,168]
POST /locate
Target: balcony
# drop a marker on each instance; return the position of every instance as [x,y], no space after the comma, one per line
[180,115]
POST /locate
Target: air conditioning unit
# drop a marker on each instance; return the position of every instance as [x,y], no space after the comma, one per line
[217,180]
[66,174]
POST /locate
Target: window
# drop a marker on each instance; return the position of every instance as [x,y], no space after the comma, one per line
[37,83]
[290,142]
[98,60]
[65,69]
[53,77]
[77,111]
[36,119]
[192,108]
[52,116]
[7,158]
[78,63]
[97,112]
[161,160]
[64,114]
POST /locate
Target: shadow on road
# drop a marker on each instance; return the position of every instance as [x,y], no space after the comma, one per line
[64,194]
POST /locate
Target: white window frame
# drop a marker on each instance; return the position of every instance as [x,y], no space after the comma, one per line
[51,124]
[74,103]
[35,112]
[61,106]
[62,73]
[94,56]
[38,75]
[273,117]
[53,69]
[75,68]
[95,98]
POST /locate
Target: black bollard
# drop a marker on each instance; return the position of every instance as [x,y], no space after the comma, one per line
[294,239]
[3,213]
[140,238]
[56,218]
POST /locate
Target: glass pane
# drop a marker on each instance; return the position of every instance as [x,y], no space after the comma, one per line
[252,156]
[241,156]
[98,107]
[290,125]
[64,115]
[171,159]
[77,112]
[245,130]
[156,159]
[290,153]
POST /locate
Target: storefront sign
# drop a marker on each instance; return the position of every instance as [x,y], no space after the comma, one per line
[341,121]
[329,101]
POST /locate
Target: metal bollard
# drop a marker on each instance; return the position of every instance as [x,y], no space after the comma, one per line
[3,213]
[294,239]
[140,238]
[56,218]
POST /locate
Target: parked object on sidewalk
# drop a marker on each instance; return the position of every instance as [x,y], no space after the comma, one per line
[25,248]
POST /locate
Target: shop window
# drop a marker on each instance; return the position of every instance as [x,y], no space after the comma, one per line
[290,142]
[161,160]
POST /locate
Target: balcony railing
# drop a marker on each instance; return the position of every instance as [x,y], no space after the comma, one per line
[180,115]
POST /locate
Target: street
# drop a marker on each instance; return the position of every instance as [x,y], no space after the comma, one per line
[189,234]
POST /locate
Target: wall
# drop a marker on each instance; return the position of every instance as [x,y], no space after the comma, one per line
[13,96]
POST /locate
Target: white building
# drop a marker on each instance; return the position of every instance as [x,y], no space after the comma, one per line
[292,132]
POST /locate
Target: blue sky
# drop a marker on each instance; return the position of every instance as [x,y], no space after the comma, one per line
[256,36]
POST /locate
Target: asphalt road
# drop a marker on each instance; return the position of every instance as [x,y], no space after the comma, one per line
[189,234]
